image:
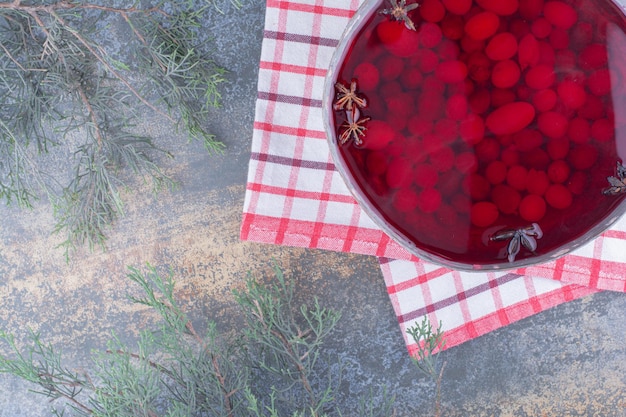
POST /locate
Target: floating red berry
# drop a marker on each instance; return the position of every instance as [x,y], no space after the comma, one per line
[560,14]
[484,213]
[558,196]
[532,208]
[429,200]
[432,11]
[502,46]
[482,25]
[558,171]
[510,118]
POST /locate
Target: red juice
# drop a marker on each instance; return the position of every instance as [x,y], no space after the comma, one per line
[495,119]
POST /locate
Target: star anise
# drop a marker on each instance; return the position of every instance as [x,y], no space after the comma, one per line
[618,183]
[354,127]
[399,11]
[348,98]
[524,236]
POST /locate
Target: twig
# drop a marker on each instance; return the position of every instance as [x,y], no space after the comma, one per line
[64,395]
[103,61]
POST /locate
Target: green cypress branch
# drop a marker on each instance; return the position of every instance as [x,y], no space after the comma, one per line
[61,86]
[178,372]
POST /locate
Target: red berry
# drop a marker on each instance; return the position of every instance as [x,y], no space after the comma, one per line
[496,172]
[482,25]
[558,196]
[459,7]
[425,175]
[443,159]
[603,130]
[389,31]
[541,28]
[528,51]
[552,124]
[430,35]
[390,67]
[502,46]
[500,7]
[558,171]
[398,39]
[451,72]
[560,14]
[378,135]
[484,214]
[367,75]
[510,118]
[572,95]
[505,74]
[399,173]
[411,78]
[426,60]
[506,198]
[429,200]
[405,200]
[544,100]
[540,77]
[432,11]
[517,177]
[599,82]
[532,208]
[594,56]
[579,130]
[456,106]
[537,182]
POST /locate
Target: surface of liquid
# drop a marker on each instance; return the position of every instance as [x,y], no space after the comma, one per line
[471,129]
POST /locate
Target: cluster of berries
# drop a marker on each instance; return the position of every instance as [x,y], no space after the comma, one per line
[489,112]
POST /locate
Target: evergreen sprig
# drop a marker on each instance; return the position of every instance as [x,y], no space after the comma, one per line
[63,83]
[430,342]
[272,367]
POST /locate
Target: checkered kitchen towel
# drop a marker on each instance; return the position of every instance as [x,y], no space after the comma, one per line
[295,197]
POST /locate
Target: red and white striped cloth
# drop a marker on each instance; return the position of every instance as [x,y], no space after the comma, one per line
[295,197]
